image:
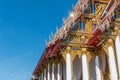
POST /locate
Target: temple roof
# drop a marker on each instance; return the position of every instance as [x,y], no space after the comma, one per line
[52,47]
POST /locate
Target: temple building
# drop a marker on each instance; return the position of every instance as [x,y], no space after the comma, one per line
[86,47]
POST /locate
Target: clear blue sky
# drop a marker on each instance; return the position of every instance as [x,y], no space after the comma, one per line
[24,26]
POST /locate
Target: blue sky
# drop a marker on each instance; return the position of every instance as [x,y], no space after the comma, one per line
[24,26]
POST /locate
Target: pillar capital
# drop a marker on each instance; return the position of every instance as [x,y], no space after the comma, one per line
[110,42]
[116,29]
[48,60]
[68,49]
[84,49]
[88,54]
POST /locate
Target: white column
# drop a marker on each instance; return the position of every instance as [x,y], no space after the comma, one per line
[53,71]
[112,66]
[117,45]
[48,73]
[68,67]
[44,74]
[97,68]
[58,71]
[85,72]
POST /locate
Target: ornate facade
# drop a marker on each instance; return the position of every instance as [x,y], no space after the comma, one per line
[86,47]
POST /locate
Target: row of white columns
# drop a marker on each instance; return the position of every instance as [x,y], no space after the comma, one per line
[85,70]
[46,74]
[111,60]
